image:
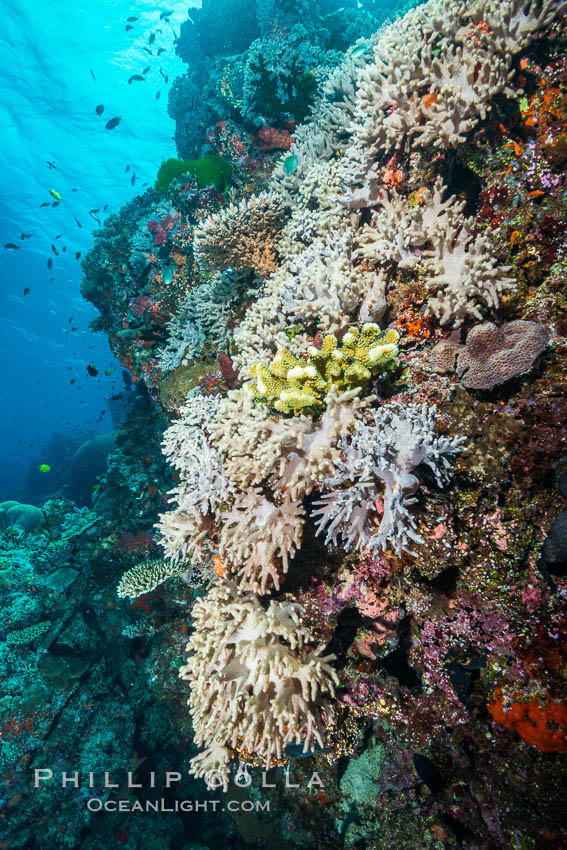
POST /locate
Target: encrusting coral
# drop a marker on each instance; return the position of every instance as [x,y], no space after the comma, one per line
[258,683]
[492,354]
[290,385]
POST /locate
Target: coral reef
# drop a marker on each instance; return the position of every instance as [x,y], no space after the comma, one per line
[329,349]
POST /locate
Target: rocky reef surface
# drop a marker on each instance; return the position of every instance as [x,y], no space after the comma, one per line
[333,523]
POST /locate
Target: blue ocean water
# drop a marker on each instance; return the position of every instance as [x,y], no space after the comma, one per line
[61,60]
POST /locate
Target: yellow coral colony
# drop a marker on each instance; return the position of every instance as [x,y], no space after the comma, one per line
[291,385]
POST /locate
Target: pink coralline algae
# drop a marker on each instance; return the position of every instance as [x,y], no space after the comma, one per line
[160,229]
[141,304]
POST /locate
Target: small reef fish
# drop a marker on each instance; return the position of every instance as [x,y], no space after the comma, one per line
[152,38]
[131,19]
[27,290]
[26,236]
[92,74]
[108,372]
[158,93]
[160,50]
[164,75]
[78,255]
[147,49]
[94,216]
[51,164]
[135,78]
[54,249]
[133,178]
[44,467]
[45,204]
[99,109]
[55,204]
[105,207]
[128,27]
[59,235]
[55,194]
[50,263]
[92,370]
[9,246]
[77,222]
[145,71]
[165,15]
[114,122]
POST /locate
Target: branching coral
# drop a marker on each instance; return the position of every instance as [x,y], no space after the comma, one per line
[292,386]
[241,236]
[143,578]
[255,687]
[258,538]
[377,464]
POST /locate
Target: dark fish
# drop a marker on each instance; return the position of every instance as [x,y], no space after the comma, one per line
[9,246]
[27,290]
[105,207]
[92,370]
[50,263]
[114,122]
[135,78]
[59,235]
[72,381]
[70,319]
[78,223]
[166,78]
[428,773]
[51,164]
[54,249]
[128,27]
[164,15]
[92,74]
[64,248]
[45,204]
[94,209]
[96,218]
[127,168]
[131,19]
[160,50]
[152,38]
[147,49]
[158,93]
[51,279]
[133,178]
[99,109]
[26,236]
[78,255]
[55,204]
[145,71]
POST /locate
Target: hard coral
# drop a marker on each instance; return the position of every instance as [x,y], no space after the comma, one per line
[291,385]
[492,354]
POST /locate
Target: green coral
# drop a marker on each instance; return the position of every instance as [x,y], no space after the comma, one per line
[295,386]
[19,637]
[289,94]
[209,171]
